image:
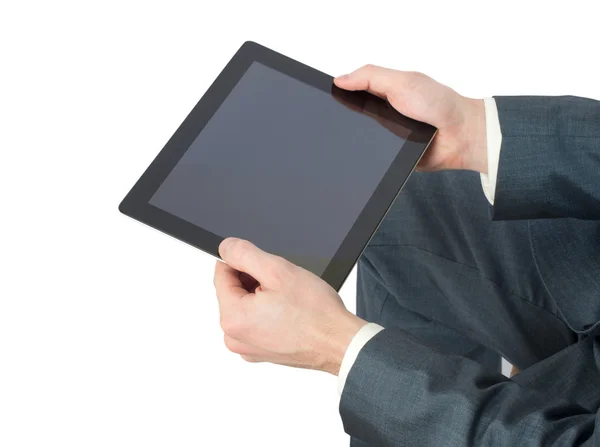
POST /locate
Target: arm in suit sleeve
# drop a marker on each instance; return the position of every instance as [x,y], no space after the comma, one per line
[400,392]
[549,159]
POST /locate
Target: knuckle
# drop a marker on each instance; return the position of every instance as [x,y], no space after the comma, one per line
[274,273]
[280,269]
[231,344]
[288,270]
[416,77]
[233,326]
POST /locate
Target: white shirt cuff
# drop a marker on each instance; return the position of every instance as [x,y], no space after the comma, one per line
[364,334]
[494,143]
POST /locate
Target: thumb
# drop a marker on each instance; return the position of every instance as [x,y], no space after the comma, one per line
[379,81]
[269,270]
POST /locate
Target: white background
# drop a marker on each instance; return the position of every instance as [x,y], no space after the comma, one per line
[109,331]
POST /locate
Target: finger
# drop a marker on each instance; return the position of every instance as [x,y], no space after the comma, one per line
[228,285]
[266,268]
[374,107]
[376,80]
[246,350]
[385,115]
[252,359]
[238,347]
[246,281]
[428,162]
[348,99]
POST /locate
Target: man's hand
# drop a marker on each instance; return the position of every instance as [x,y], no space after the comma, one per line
[460,142]
[274,311]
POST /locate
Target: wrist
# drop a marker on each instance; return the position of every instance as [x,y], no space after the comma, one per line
[337,342]
[475,142]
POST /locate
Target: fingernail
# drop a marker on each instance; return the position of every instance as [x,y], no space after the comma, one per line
[342,77]
[226,244]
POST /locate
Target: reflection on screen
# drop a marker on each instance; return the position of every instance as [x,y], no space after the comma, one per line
[282,164]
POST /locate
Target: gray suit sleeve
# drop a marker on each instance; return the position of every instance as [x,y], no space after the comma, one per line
[401,392]
[550,158]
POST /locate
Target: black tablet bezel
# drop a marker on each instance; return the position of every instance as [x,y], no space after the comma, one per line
[136,203]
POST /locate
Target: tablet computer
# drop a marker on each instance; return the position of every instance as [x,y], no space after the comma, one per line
[276,154]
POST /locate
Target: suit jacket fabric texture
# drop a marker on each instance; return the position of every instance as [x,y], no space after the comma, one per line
[549,176]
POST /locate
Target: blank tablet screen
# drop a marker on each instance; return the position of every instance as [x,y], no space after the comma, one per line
[282,164]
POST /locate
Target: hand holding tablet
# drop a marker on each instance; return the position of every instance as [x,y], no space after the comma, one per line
[276,154]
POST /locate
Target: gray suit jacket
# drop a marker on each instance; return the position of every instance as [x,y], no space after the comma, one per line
[401,392]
